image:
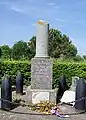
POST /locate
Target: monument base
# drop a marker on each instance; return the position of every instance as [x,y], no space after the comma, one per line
[37,95]
[41,73]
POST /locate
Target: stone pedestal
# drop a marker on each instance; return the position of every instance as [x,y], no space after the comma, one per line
[41,73]
[37,95]
[41,81]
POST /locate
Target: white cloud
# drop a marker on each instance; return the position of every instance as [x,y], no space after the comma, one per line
[51,4]
[57,19]
[32,8]
[11,5]
[40,11]
[17,9]
[73,21]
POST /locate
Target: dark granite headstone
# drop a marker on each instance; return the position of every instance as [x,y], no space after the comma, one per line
[80,93]
[19,83]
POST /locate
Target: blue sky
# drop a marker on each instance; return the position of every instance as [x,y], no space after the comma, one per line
[18,19]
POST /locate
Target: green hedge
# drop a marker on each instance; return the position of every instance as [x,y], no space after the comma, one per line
[68,68]
[11,68]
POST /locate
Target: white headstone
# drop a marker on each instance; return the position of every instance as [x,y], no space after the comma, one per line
[68,96]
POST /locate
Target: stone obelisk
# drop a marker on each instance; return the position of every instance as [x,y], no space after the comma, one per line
[41,67]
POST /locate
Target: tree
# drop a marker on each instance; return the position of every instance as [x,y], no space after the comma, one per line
[6,52]
[78,58]
[84,56]
[58,45]
[0,52]
[32,47]
[71,51]
[20,50]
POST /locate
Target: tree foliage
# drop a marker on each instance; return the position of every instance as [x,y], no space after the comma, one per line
[59,46]
[6,52]
[84,56]
[78,58]
[0,52]
[32,47]
[19,50]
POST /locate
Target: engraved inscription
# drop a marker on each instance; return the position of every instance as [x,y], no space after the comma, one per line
[41,71]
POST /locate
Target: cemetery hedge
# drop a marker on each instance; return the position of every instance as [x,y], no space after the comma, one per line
[68,68]
[11,68]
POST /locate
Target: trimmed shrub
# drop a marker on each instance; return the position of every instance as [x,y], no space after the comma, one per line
[12,67]
[68,68]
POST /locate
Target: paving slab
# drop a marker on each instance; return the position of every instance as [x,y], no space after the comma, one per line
[24,113]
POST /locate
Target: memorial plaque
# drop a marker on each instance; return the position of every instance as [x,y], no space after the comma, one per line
[41,73]
[40,96]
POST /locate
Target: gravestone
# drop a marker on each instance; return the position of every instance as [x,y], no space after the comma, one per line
[19,83]
[69,95]
[74,83]
[62,87]
[41,68]
[80,93]
[6,93]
